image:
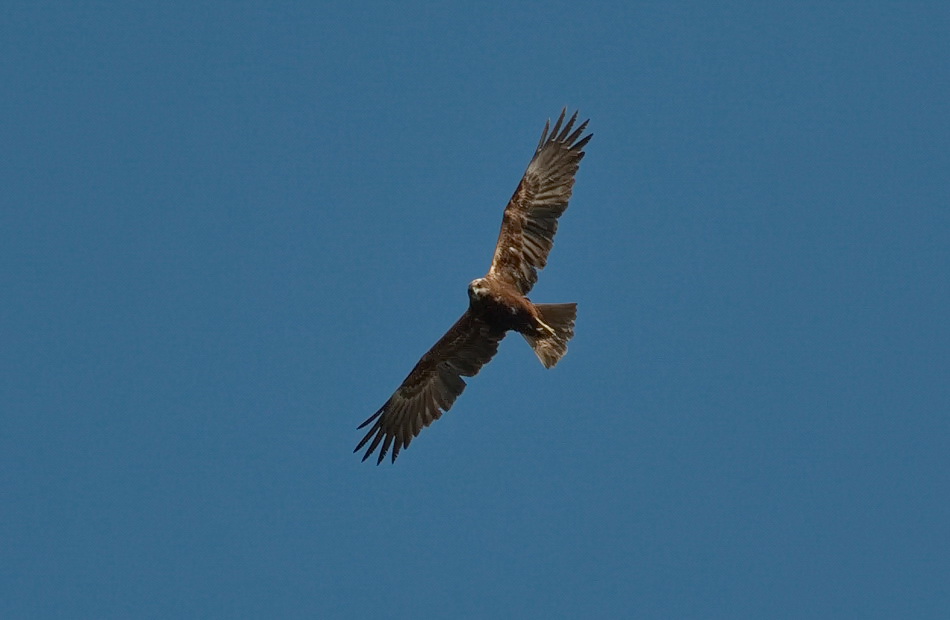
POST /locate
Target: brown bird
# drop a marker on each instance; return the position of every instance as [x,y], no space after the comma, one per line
[497,302]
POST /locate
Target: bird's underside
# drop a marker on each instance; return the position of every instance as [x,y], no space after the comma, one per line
[498,301]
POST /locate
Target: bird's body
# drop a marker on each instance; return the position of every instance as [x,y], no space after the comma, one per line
[498,302]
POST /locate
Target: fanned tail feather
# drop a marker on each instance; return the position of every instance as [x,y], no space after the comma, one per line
[560,318]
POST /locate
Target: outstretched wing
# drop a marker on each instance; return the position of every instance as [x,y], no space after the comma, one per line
[432,386]
[530,220]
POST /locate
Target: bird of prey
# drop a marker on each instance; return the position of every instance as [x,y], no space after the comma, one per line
[497,302]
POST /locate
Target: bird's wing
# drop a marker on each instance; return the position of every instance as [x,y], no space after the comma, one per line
[432,386]
[530,219]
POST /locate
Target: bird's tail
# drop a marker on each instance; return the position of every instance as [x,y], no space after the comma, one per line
[552,346]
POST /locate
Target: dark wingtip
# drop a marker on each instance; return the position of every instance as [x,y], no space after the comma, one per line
[544,135]
[556,130]
[567,128]
[571,139]
[582,143]
[385,449]
[561,132]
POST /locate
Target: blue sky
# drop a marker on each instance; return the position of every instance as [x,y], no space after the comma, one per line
[229,231]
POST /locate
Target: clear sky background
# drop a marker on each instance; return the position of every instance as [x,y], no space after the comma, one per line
[228,231]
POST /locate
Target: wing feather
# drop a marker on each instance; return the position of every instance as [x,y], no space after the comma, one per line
[432,386]
[530,219]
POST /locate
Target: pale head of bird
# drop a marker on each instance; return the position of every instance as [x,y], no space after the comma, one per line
[477,288]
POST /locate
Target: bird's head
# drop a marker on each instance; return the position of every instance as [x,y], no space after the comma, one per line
[477,288]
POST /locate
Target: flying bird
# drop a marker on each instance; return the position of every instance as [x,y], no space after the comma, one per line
[498,301]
